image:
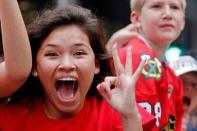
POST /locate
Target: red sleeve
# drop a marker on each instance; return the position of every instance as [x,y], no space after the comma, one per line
[148,120]
[1,120]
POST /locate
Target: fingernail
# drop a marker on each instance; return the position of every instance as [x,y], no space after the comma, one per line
[108,95]
[101,86]
[114,45]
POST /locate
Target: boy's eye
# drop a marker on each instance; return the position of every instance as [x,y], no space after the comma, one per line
[156,6]
[175,7]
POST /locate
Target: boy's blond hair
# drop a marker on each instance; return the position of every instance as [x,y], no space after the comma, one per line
[138,4]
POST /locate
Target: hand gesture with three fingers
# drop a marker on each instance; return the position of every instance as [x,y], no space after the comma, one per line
[119,91]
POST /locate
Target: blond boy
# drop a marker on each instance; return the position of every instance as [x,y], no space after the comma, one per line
[158,23]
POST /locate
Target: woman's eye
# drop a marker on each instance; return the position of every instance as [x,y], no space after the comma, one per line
[80,53]
[51,54]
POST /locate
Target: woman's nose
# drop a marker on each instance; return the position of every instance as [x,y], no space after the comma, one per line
[66,64]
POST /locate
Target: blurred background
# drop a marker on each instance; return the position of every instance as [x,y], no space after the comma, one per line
[115,14]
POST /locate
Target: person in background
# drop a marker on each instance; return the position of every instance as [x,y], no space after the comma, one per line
[70,63]
[16,64]
[185,67]
[155,24]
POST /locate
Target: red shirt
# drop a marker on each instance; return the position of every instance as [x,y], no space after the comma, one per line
[158,89]
[96,115]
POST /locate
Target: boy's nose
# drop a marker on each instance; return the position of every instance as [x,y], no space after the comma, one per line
[167,12]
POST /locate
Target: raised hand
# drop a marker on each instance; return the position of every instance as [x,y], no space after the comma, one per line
[17,63]
[119,91]
[122,36]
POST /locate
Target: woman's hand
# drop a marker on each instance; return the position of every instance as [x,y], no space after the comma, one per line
[119,91]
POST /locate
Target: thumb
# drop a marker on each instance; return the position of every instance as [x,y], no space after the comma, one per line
[102,90]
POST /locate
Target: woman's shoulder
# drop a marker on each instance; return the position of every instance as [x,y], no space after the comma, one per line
[13,110]
[17,110]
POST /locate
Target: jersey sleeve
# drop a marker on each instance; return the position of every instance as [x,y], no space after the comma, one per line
[148,120]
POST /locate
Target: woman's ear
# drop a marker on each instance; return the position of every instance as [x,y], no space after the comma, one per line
[97,67]
[97,70]
[34,73]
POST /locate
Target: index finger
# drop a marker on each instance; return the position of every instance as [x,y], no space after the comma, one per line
[128,66]
[117,63]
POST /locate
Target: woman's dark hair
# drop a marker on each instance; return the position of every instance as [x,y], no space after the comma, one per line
[44,24]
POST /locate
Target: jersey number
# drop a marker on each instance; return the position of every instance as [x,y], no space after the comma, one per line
[153,109]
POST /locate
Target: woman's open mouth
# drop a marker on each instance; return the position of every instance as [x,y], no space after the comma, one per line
[66,88]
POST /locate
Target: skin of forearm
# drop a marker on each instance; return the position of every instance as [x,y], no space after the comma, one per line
[132,122]
[17,63]
[15,40]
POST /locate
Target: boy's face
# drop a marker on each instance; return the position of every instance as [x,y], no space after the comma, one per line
[161,21]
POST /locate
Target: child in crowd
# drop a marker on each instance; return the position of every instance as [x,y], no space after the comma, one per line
[157,24]
[186,68]
[16,65]
[69,62]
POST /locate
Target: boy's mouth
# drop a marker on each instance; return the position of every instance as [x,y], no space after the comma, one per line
[66,88]
[166,26]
